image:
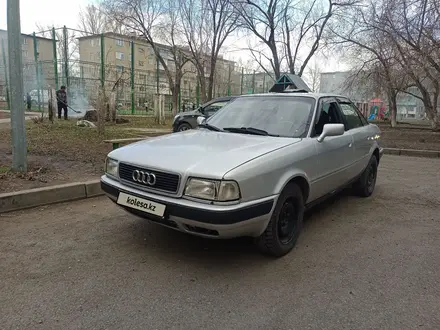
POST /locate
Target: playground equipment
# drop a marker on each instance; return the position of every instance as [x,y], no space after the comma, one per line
[378,110]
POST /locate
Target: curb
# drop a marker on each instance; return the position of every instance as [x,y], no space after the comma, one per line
[412,152]
[24,199]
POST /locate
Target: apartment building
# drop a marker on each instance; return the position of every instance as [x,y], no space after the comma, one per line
[121,50]
[44,48]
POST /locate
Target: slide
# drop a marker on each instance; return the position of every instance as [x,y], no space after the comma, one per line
[371,116]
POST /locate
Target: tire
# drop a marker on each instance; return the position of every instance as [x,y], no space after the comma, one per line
[364,187]
[183,127]
[283,229]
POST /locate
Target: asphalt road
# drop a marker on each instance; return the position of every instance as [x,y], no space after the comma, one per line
[359,264]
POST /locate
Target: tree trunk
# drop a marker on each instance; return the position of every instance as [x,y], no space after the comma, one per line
[392,102]
[211,79]
[433,117]
[175,97]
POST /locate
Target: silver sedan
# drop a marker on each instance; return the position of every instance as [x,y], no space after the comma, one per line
[249,170]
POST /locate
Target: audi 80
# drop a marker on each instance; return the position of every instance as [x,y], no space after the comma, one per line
[250,170]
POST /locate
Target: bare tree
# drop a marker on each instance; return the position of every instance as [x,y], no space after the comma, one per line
[147,19]
[378,69]
[206,25]
[94,20]
[291,32]
[401,35]
[313,76]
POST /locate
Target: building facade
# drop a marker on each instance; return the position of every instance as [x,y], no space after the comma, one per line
[128,58]
[40,52]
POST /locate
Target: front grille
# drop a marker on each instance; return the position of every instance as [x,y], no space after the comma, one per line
[164,181]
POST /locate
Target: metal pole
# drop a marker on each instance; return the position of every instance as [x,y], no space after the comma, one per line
[157,75]
[36,70]
[66,56]
[242,80]
[6,75]
[132,77]
[229,81]
[264,82]
[198,92]
[180,101]
[102,61]
[18,127]
[55,60]
[253,83]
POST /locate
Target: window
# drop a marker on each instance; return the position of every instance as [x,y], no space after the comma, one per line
[212,108]
[351,116]
[151,60]
[25,53]
[24,41]
[278,115]
[329,115]
[92,56]
[92,42]
[142,77]
[141,88]
[119,55]
[141,63]
[119,68]
[119,42]
[141,50]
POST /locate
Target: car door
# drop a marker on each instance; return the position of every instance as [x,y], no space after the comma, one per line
[358,128]
[334,154]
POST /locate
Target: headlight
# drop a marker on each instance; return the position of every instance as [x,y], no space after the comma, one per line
[111,167]
[214,190]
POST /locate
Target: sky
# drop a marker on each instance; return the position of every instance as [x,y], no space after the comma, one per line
[65,12]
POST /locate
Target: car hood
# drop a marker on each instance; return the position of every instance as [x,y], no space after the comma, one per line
[190,113]
[199,152]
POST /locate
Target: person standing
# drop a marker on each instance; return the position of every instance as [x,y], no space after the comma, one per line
[62,101]
[28,101]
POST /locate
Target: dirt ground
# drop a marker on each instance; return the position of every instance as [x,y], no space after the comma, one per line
[410,137]
[359,264]
[62,152]
[4,115]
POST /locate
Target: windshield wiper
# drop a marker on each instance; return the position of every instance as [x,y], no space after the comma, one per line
[248,130]
[210,127]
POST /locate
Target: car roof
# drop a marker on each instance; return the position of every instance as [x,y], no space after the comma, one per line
[296,94]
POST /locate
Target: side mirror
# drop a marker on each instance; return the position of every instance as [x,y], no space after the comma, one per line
[200,120]
[331,130]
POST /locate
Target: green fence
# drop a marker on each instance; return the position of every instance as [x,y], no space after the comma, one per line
[121,64]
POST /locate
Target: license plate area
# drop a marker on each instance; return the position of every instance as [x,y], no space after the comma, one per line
[141,204]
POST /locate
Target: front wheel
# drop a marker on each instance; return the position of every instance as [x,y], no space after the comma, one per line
[183,127]
[365,185]
[285,225]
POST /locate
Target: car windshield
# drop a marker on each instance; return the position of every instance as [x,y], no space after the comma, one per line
[275,115]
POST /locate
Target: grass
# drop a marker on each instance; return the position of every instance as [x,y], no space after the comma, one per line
[67,141]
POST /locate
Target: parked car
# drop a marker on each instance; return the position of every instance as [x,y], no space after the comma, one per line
[188,120]
[250,170]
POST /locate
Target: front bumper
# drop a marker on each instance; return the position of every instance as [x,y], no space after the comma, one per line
[214,221]
[380,152]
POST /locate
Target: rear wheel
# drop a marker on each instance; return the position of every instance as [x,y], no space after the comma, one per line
[183,127]
[364,187]
[285,225]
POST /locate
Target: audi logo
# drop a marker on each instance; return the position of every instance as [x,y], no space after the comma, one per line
[144,177]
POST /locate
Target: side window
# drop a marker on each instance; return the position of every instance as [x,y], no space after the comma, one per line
[212,108]
[352,118]
[329,115]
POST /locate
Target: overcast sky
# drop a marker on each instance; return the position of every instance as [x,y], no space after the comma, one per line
[65,12]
